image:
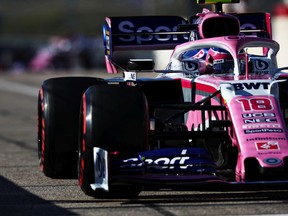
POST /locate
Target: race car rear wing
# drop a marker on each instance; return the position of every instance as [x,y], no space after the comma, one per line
[141,33]
[162,32]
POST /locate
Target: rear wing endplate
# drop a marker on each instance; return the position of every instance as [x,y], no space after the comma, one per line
[162,32]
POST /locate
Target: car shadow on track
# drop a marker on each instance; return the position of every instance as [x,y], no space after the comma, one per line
[212,196]
[16,201]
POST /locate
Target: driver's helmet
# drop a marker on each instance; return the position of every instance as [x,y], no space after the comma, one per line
[219,61]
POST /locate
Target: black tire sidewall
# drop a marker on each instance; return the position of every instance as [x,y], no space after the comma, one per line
[59,111]
[109,127]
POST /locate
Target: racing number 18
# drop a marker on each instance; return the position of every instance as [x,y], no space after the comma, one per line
[255,104]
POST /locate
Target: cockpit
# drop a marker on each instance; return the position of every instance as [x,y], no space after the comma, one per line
[219,60]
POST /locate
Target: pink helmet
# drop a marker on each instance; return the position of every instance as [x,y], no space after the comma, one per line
[219,61]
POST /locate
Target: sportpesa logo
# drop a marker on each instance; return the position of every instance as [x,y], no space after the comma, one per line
[128,27]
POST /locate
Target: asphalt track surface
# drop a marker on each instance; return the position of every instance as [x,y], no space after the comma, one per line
[24,190]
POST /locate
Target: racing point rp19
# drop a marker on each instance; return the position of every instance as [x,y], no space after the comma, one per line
[217,114]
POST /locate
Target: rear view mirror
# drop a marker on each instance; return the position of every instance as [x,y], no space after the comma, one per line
[140,65]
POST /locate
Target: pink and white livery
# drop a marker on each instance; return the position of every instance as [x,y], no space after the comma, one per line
[217,114]
[249,90]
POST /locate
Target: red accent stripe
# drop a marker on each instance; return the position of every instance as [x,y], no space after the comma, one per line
[186,83]
[199,86]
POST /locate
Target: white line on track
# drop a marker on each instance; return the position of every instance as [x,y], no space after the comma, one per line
[18,88]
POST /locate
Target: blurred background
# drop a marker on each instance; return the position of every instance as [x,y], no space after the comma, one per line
[40,35]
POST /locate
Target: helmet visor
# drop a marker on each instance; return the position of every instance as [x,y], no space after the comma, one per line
[223,66]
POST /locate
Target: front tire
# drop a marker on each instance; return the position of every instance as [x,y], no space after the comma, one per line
[114,118]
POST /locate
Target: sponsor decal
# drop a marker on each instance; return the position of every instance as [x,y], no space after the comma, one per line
[254,21]
[263,130]
[253,126]
[129,27]
[261,66]
[100,157]
[157,160]
[258,115]
[272,161]
[130,76]
[250,86]
[165,162]
[191,75]
[249,26]
[263,120]
[265,138]
[100,166]
[267,145]
[191,66]
[269,153]
[219,61]
[258,120]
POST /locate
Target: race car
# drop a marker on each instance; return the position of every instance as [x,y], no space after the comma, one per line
[216,114]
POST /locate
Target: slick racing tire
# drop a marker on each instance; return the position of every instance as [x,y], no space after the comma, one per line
[58,118]
[114,118]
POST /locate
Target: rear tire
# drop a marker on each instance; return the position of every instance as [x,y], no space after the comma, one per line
[58,117]
[114,118]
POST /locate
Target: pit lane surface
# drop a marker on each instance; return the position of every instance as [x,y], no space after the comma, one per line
[24,190]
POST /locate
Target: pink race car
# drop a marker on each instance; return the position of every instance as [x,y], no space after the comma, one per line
[216,115]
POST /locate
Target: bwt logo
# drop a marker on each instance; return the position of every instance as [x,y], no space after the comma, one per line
[250,86]
[129,28]
[261,65]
